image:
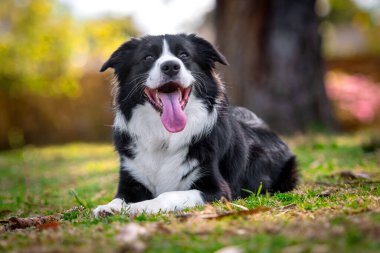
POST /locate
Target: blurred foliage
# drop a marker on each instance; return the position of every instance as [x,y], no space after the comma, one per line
[44,50]
[105,35]
[361,17]
[343,11]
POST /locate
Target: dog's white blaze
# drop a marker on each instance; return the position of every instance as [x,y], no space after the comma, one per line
[168,201]
[156,78]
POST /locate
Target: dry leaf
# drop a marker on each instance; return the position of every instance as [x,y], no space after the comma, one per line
[54,225]
[229,249]
[17,223]
[131,232]
[41,222]
[289,206]
[130,236]
[234,213]
[346,174]
[325,193]
[240,206]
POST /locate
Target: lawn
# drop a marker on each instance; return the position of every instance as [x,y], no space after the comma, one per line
[336,207]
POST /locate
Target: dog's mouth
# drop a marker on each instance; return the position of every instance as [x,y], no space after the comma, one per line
[170,100]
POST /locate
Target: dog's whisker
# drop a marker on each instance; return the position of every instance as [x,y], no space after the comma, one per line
[137,86]
[201,83]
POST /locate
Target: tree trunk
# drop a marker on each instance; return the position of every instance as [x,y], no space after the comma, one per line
[276,68]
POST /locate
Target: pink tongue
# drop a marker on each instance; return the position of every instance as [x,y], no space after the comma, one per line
[172,117]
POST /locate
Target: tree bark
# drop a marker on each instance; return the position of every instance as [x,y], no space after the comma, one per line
[276,68]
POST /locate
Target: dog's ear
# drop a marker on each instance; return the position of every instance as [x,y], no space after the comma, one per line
[122,53]
[207,49]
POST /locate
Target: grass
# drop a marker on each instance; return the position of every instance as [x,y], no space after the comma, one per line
[328,212]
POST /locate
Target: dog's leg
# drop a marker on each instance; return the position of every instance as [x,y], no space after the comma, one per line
[115,206]
[167,201]
[129,191]
[178,200]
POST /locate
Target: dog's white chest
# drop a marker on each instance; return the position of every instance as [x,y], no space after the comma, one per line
[160,161]
[161,170]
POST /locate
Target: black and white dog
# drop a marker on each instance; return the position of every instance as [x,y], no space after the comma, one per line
[180,143]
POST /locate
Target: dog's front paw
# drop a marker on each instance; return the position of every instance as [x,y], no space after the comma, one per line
[152,206]
[115,206]
[104,210]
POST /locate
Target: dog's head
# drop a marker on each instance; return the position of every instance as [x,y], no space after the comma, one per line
[165,71]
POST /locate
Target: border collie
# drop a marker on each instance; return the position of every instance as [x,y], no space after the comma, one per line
[180,143]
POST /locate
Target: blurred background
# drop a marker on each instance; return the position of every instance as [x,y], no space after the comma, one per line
[302,65]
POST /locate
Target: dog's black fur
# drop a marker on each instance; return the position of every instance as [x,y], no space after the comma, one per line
[239,153]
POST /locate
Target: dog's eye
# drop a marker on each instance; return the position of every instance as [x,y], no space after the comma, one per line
[148,58]
[184,55]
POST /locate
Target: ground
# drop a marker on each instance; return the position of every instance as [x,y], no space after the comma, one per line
[336,207]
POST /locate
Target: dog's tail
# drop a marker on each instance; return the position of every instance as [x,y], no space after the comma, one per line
[288,178]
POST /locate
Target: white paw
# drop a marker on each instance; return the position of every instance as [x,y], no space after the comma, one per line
[149,207]
[166,202]
[115,206]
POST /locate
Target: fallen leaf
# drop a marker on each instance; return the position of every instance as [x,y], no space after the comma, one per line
[131,232]
[289,206]
[221,215]
[325,193]
[54,225]
[41,222]
[229,249]
[17,223]
[240,206]
[362,175]
[346,174]
[130,237]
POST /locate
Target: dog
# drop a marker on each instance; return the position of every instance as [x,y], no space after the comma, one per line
[179,141]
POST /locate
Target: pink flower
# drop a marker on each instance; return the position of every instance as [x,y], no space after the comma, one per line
[354,93]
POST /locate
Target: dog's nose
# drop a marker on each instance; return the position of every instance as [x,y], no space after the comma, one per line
[170,68]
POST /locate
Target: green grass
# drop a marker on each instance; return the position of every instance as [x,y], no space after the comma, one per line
[326,213]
